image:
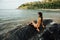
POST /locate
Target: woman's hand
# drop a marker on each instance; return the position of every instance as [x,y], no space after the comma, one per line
[30,23]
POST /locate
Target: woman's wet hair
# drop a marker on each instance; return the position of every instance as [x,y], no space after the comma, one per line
[40,15]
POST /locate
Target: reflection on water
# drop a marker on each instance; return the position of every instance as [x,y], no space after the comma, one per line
[9,19]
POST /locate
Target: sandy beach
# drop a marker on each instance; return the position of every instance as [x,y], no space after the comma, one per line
[50,9]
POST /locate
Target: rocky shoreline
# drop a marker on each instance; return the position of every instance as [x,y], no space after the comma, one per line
[51,32]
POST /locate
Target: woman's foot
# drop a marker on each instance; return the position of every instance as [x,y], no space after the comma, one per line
[38,30]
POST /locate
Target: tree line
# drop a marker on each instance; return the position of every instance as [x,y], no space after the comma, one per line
[41,5]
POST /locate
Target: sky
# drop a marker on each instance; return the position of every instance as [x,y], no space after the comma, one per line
[13,4]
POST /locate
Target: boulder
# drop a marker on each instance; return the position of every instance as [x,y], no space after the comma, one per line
[29,33]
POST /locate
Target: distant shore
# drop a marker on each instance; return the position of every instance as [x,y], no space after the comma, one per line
[50,9]
[40,5]
[42,9]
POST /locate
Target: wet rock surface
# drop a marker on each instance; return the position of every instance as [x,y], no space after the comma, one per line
[51,32]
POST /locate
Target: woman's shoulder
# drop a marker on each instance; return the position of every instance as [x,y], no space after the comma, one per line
[39,18]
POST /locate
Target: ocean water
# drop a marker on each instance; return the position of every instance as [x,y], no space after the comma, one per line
[11,18]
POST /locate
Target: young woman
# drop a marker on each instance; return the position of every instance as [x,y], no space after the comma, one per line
[39,25]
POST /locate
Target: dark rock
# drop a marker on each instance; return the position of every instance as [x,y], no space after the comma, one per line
[52,33]
[21,34]
[47,21]
[29,33]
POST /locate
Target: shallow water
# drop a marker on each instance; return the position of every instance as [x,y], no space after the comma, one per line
[10,18]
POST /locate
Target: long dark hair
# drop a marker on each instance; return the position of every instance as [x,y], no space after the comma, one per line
[41,16]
